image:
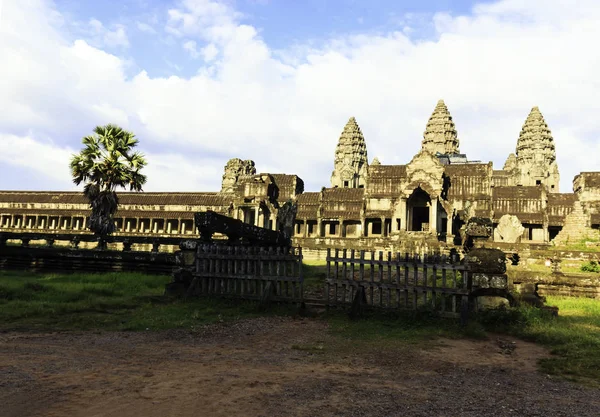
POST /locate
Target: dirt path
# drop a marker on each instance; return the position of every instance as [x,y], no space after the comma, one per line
[274,367]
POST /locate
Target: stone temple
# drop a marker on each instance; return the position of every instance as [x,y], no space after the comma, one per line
[425,203]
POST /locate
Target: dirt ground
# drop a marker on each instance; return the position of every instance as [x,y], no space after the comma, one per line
[275,367]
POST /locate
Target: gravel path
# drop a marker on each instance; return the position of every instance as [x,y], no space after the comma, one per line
[275,367]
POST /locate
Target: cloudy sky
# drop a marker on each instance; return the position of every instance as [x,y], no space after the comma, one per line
[202,81]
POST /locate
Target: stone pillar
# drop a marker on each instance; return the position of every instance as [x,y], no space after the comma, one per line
[155,226]
[340,232]
[256,216]
[29,223]
[449,235]
[433,216]
[168,226]
[370,228]
[12,221]
[53,224]
[383,228]
[182,228]
[319,228]
[137,224]
[403,215]
[305,228]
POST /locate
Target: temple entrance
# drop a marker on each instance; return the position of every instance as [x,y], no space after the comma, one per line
[420,219]
[417,210]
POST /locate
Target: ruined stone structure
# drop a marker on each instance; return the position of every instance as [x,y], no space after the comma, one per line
[425,203]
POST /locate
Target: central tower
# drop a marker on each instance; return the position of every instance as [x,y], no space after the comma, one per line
[350,163]
[440,134]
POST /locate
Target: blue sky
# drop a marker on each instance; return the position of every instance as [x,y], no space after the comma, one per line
[202,81]
[281,23]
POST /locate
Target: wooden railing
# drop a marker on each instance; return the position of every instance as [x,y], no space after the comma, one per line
[397,281]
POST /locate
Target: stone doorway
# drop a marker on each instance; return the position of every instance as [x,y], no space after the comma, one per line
[417,207]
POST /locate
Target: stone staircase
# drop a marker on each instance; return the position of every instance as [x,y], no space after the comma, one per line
[576,227]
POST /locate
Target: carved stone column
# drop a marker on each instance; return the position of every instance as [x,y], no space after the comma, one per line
[449,234]
[433,216]
[403,216]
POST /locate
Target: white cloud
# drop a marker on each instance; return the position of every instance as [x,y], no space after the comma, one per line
[44,158]
[104,37]
[209,52]
[145,27]
[190,47]
[287,113]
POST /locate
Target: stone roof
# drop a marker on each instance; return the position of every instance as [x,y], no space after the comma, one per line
[125,198]
[517,193]
[85,213]
[591,179]
[289,186]
[467,170]
[42,197]
[386,180]
[440,135]
[308,198]
[308,205]
[343,194]
[387,171]
[562,199]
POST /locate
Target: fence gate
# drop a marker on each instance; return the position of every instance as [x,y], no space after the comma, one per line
[254,273]
[397,282]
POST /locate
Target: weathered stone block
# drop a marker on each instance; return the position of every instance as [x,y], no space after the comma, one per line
[481,280]
[479,227]
[188,245]
[486,302]
[487,261]
[509,229]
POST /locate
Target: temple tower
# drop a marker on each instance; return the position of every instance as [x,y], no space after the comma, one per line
[536,154]
[440,134]
[234,170]
[350,164]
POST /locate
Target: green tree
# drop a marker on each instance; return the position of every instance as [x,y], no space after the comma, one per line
[107,162]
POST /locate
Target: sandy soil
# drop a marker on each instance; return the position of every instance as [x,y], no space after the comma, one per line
[275,367]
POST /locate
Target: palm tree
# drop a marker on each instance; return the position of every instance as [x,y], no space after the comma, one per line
[106,162]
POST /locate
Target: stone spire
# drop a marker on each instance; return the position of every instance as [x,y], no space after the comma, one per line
[350,163]
[440,134]
[536,154]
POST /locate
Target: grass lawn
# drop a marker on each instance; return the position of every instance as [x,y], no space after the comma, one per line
[127,301]
[113,301]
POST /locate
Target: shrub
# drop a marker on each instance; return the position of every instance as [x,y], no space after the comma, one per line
[590,266]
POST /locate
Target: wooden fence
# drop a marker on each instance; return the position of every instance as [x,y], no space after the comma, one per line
[397,281]
[273,273]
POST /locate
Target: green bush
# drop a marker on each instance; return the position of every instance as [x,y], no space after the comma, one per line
[590,266]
